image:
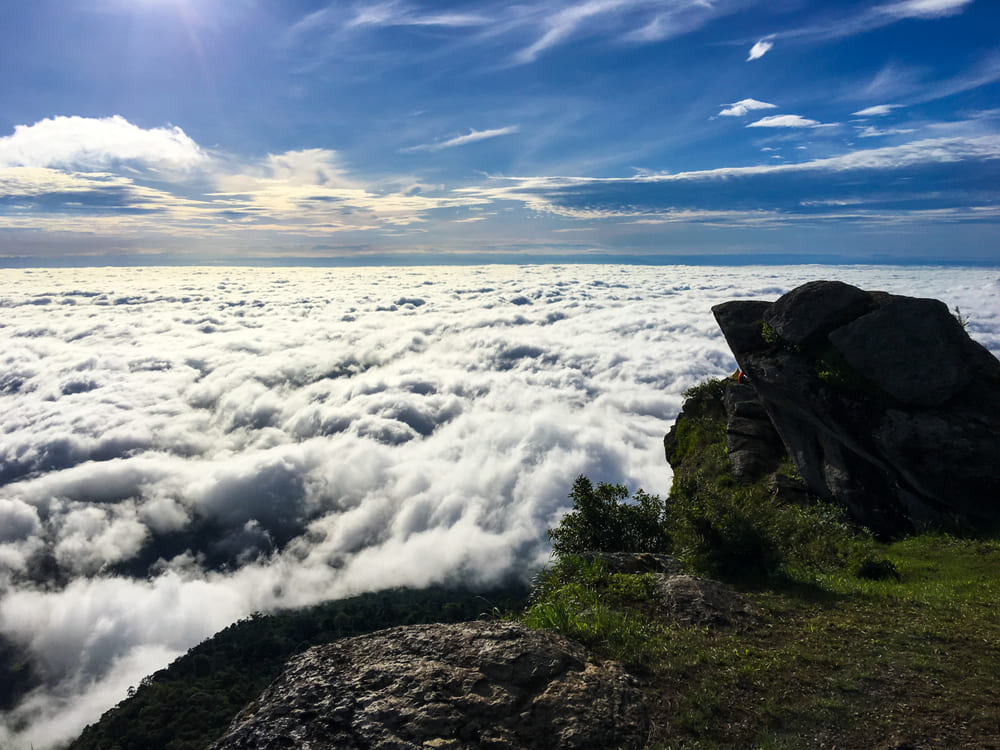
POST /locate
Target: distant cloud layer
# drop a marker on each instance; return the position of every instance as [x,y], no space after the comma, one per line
[183,447]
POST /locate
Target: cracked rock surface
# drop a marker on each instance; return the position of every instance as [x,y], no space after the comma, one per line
[469,685]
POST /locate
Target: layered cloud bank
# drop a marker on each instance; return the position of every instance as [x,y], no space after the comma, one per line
[184,447]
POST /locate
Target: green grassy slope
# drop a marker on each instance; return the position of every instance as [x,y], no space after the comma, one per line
[837,660]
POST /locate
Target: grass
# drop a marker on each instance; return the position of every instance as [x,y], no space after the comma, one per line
[848,663]
[837,661]
[603,610]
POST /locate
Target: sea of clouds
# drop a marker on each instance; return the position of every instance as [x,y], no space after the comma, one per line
[182,447]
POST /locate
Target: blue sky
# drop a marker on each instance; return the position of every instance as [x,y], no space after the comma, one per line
[234,130]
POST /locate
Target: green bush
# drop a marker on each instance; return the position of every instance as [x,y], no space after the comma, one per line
[743,531]
[603,521]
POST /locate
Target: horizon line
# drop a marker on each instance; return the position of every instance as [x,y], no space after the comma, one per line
[480,259]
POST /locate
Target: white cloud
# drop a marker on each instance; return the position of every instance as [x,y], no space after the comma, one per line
[346,429]
[760,49]
[672,19]
[876,111]
[878,16]
[564,23]
[923,8]
[544,194]
[399,14]
[641,21]
[873,132]
[784,121]
[743,107]
[90,143]
[471,137]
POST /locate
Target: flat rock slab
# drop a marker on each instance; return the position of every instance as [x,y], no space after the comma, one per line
[470,685]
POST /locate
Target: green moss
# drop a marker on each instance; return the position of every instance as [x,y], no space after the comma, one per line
[769,335]
[832,369]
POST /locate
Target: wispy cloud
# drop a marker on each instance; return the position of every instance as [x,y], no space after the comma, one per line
[743,107]
[785,121]
[769,193]
[565,22]
[876,111]
[873,132]
[879,16]
[760,49]
[909,84]
[471,137]
[676,17]
[923,8]
[401,14]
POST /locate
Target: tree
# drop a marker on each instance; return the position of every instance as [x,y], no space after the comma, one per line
[603,521]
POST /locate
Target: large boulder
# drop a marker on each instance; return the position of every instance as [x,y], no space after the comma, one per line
[470,685]
[884,403]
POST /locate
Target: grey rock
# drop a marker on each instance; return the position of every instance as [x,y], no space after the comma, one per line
[913,349]
[636,562]
[811,311]
[690,600]
[742,319]
[471,685]
[753,444]
[914,441]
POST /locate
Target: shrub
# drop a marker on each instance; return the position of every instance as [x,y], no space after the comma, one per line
[743,531]
[603,521]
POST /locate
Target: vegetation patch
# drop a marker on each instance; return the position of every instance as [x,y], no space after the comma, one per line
[858,645]
[608,612]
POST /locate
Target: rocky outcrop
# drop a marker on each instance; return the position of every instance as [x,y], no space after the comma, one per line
[470,685]
[754,446]
[883,402]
